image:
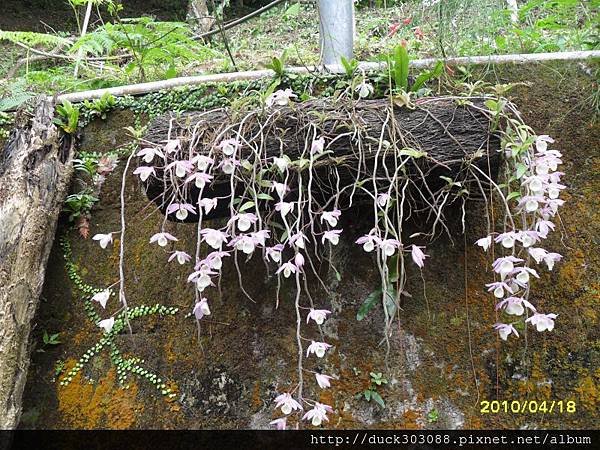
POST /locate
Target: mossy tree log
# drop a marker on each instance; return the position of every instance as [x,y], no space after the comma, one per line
[360,135]
[35,170]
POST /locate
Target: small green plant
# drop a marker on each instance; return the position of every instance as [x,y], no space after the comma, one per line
[59,367]
[433,416]
[101,106]
[87,163]
[350,66]
[371,393]
[51,339]
[79,204]
[277,65]
[68,117]
[398,62]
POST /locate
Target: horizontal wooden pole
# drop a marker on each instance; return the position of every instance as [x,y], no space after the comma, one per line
[154,86]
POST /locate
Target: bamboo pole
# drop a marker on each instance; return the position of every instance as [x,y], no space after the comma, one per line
[86,21]
[154,86]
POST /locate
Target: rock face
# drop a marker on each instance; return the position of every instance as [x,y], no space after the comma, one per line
[444,358]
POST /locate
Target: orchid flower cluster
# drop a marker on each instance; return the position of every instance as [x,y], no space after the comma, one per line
[538,202]
[273,193]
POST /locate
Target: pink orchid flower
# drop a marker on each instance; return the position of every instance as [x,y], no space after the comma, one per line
[200,179]
[515,305]
[317,146]
[499,288]
[228,165]
[505,330]
[213,260]
[202,162]
[182,257]
[505,265]
[280,424]
[542,322]
[244,221]
[389,246]
[148,154]
[172,145]
[523,274]
[202,278]
[298,240]
[102,297]
[543,227]
[162,239]
[245,243]
[274,252]
[332,236]
[299,260]
[318,348]
[331,217]
[318,315]
[182,168]
[182,210]
[484,243]
[284,208]
[228,146]
[201,309]
[507,239]
[287,403]
[260,237]
[368,242]
[418,256]
[528,237]
[531,203]
[383,199]
[323,380]
[214,238]
[287,268]
[144,172]
[318,414]
[103,239]
[208,204]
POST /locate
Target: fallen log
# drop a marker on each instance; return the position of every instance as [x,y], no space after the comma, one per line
[359,135]
[35,170]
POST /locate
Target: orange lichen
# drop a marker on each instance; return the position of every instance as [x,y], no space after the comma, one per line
[85,404]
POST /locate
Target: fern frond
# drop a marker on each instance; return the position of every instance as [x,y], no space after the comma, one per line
[32,39]
[18,95]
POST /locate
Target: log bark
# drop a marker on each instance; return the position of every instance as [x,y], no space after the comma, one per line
[35,170]
[452,136]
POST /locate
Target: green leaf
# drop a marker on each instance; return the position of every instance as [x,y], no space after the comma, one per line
[428,75]
[412,153]
[401,67]
[513,195]
[264,196]
[246,206]
[390,302]
[521,169]
[378,399]
[368,304]
[367,395]
[292,11]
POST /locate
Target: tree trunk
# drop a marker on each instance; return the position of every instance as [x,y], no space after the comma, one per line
[452,135]
[35,169]
[198,16]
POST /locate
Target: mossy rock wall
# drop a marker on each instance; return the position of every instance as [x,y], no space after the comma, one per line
[444,357]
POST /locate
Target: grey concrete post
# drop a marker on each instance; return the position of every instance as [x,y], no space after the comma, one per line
[336,19]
